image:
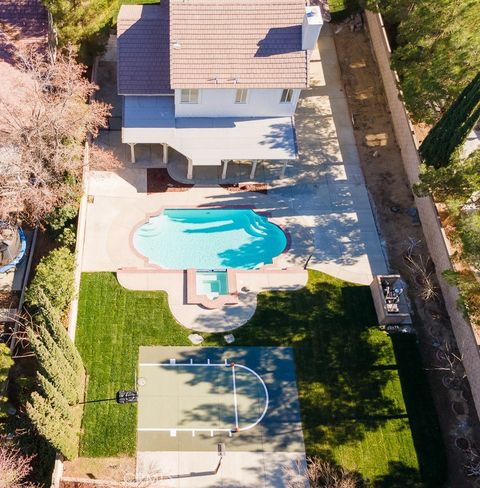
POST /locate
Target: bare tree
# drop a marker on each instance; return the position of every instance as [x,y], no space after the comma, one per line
[419,270]
[14,466]
[320,473]
[42,131]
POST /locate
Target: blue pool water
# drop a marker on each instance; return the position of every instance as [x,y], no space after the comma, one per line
[209,239]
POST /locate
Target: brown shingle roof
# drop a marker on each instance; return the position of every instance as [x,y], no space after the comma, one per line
[143,50]
[258,43]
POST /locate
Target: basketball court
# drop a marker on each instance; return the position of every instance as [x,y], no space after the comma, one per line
[192,399]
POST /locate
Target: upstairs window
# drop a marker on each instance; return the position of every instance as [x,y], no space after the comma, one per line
[286,96]
[189,95]
[241,95]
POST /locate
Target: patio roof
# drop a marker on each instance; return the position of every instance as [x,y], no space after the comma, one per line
[207,141]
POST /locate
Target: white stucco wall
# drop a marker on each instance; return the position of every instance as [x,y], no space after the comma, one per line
[220,102]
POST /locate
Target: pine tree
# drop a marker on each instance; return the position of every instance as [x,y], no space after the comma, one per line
[51,425]
[51,368]
[444,140]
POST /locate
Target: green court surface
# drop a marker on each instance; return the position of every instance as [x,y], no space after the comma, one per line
[192,398]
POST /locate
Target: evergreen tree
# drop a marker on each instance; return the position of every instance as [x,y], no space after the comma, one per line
[435,50]
[69,375]
[53,321]
[51,425]
[52,369]
[78,21]
[444,140]
[56,399]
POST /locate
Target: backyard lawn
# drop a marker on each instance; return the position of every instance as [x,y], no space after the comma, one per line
[349,385]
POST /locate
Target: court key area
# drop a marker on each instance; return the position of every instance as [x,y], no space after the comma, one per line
[190,400]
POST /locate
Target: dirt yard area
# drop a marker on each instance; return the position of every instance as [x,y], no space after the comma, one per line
[116,469]
[396,216]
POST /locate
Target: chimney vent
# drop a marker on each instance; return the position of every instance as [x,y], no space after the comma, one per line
[312,23]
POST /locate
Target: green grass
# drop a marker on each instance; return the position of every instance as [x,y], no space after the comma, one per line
[349,383]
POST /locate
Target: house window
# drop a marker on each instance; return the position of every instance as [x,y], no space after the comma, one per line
[189,95]
[241,95]
[286,96]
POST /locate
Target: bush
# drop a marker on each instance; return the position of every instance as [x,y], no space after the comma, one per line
[54,277]
[68,237]
[469,301]
[61,217]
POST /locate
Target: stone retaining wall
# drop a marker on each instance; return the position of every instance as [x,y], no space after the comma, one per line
[434,233]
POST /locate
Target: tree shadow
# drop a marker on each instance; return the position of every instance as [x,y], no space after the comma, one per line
[399,476]
[337,357]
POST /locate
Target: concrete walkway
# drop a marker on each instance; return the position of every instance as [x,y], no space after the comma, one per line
[322,201]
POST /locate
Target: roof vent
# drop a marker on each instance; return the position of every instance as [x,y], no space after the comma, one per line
[176,45]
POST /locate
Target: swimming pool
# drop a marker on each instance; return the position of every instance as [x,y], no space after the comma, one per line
[209,239]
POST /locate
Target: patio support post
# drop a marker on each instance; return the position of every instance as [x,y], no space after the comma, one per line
[165,154]
[189,169]
[224,171]
[254,168]
[132,152]
[284,167]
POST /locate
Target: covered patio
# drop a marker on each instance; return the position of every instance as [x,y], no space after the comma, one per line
[212,141]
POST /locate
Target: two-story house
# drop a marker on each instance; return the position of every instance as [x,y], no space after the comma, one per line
[216,80]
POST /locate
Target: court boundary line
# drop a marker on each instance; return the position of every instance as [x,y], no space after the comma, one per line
[237,428]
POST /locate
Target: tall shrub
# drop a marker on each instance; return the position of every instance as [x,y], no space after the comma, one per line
[49,422]
[57,400]
[52,320]
[54,277]
[6,363]
[54,369]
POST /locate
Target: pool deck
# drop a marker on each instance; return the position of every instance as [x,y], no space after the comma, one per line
[322,201]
